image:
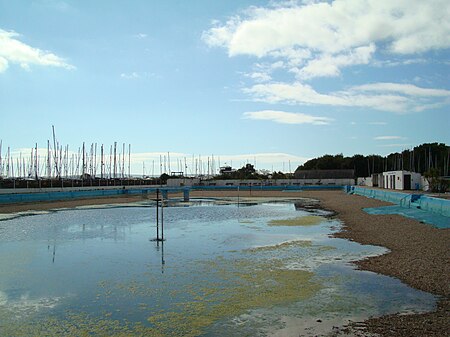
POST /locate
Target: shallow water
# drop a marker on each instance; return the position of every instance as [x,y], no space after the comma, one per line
[223,270]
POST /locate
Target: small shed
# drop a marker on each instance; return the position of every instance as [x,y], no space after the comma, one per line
[401,180]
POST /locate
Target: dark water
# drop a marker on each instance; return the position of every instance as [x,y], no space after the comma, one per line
[223,270]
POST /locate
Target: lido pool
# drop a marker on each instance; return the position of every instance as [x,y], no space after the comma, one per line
[225,269]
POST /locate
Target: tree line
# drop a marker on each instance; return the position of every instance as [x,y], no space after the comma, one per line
[422,159]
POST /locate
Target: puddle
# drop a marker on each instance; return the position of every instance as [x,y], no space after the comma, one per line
[223,270]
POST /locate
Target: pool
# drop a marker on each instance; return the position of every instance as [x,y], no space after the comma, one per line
[259,268]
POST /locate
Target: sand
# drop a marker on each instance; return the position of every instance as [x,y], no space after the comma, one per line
[419,254]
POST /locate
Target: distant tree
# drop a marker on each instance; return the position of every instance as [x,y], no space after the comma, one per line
[437,183]
[278,175]
[247,172]
[420,159]
[163,178]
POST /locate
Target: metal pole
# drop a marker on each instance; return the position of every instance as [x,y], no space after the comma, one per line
[162,218]
[157,214]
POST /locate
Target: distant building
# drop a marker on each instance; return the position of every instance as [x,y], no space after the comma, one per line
[226,170]
[375,180]
[402,180]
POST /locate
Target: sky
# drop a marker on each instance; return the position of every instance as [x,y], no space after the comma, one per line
[273,83]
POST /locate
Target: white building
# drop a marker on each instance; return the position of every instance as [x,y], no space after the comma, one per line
[401,180]
[375,180]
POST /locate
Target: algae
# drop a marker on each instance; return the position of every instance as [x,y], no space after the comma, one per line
[250,285]
[242,285]
[281,246]
[309,220]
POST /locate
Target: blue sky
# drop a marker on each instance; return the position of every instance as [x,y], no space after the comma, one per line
[270,82]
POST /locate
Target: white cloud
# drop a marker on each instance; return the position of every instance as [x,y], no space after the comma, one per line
[377,123]
[395,62]
[3,64]
[318,38]
[283,117]
[299,93]
[259,76]
[137,75]
[294,56]
[393,97]
[333,27]
[405,89]
[130,76]
[141,35]
[388,137]
[17,52]
[330,65]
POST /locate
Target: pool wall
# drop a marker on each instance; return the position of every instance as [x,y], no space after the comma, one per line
[426,203]
[29,195]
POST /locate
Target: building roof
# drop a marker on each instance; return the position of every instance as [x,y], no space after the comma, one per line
[324,174]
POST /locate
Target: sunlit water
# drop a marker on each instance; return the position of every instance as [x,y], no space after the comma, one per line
[223,270]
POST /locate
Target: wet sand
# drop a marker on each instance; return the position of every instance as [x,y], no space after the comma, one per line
[419,254]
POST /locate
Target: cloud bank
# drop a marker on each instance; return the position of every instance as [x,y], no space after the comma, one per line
[338,34]
[316,39]
[16,52]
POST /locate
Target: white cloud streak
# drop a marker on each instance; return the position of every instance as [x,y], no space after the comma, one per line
[14,51]
[137,75]
[388,137]
[283,117]
[377,123]
[391,97]
[405,89]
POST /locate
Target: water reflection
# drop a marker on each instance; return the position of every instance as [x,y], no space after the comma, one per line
[54,252]
[160,247]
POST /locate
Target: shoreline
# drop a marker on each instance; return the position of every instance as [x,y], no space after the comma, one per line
[418,254]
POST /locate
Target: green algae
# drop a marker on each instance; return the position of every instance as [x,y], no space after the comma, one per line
[241,285]
[309,220]
[280,246]
[252,285]
[76,324]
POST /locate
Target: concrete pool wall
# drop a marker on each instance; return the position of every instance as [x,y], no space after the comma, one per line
[426,203]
